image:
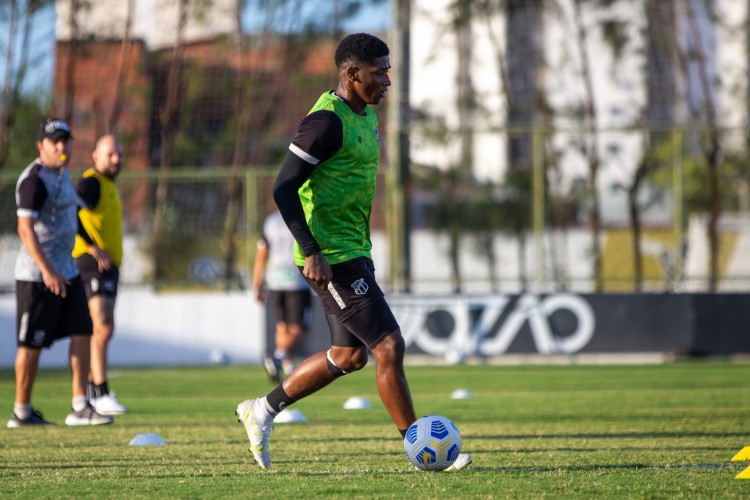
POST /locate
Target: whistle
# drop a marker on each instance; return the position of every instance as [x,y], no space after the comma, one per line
[63,157]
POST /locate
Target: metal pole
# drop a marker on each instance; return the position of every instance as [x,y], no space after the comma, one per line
[397,216]
[538,208]
[678,223]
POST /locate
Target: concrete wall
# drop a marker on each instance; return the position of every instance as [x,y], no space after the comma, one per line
[165,329]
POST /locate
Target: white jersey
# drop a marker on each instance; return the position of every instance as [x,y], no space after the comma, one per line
[282,273]
[48,196]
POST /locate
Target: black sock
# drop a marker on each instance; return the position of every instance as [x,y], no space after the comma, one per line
[278,399]
[403,432]
[101,389]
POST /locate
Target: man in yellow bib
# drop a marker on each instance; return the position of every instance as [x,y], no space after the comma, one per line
[98,254]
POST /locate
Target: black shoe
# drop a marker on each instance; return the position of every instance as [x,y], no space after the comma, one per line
[35,418]
[273,367]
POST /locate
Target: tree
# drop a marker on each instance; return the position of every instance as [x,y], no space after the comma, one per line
[19,19]
[168,122]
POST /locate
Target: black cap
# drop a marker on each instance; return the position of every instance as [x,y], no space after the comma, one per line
[53,129]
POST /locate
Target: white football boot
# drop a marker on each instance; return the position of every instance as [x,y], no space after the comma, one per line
[108,405]
[258,432]
[463,461]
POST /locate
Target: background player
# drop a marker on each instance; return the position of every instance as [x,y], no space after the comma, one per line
[98,254]
[50,299]
[288,291]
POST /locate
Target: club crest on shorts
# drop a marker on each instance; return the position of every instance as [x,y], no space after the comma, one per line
[38,337]
[360,287]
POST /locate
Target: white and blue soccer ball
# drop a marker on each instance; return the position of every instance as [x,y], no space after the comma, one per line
[432,443]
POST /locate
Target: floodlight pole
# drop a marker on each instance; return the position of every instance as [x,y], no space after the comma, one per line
[397,181]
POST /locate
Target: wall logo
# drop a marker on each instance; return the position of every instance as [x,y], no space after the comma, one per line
[464,326]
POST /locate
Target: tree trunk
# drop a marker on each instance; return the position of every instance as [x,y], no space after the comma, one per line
[122,67]
[592,147]
[168,118]
[711,152]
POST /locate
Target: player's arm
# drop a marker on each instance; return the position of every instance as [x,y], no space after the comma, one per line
[89,190]
[318,138]
[32,195]
[259,269]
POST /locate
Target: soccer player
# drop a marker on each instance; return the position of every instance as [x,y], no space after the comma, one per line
[98,254]
[324,191]
[50,299]
[288,291]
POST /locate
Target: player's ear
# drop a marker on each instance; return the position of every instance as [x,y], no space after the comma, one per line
[352,73]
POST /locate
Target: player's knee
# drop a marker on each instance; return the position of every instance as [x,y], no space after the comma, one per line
[391,348]
[353,361]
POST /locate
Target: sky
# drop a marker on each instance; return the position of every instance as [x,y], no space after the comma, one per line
[373,16]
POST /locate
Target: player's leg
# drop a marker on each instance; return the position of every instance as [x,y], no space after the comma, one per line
[37,310]
[75,322]
[272,358]
[102,309]
[102,316]
[313,374]
[79,354]
[289,336]
[377,326]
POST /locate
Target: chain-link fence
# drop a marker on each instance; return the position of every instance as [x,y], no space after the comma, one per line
[653,221]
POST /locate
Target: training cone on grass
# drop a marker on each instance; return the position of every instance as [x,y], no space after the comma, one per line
[743,456]
[147,440]
[357,403]
[289,416]
[462,394]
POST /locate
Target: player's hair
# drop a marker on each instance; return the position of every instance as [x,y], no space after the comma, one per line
[360,47]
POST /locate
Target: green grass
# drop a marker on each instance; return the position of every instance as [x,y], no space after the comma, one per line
[535,431]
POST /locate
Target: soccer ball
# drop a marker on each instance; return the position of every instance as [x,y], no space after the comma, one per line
[432,443]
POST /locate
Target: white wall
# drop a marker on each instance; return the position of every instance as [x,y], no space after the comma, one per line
[164,329]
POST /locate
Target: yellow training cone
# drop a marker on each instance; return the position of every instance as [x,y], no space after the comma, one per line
[743,455]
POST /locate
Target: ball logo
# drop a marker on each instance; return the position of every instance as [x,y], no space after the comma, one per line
[360,287]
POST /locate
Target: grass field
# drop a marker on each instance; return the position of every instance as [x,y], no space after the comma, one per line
[535,431]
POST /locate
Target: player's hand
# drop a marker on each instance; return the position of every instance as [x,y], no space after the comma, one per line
[55,283]
[260,296]
[318,270]
[103,260]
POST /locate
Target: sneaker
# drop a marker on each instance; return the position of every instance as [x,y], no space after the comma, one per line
[87,416]
[273,367]
[35,418]
[287,366]
[258,432]
[108,405]
[463,461]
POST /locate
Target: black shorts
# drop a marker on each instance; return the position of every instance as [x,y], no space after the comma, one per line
[43,317]
[355,306]
[96,282]
[291,306]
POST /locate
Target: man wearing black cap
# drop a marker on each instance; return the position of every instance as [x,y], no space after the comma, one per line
[50,298]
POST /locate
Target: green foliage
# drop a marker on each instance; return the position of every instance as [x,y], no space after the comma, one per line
[734,168]
[22,134]
[638,431]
